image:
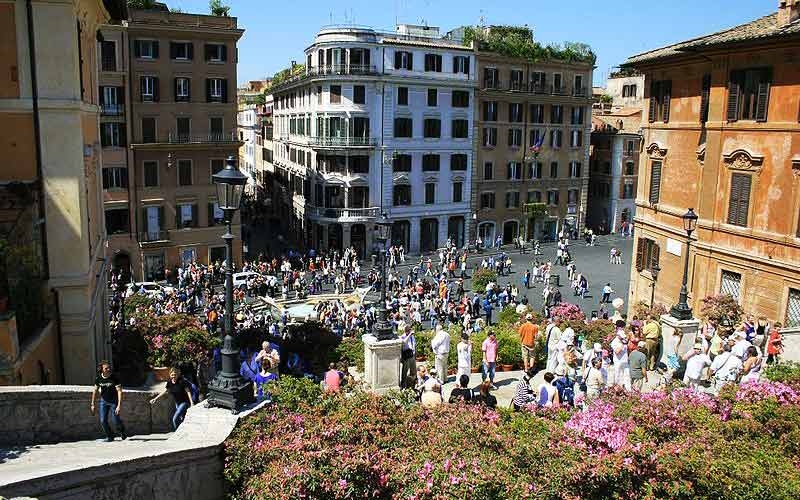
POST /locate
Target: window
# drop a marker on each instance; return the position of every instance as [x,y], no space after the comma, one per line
[403,60]
[359,164]
[215,214]
[112,135]
[558,88]
[489,137]
[556,114]
[108,55]
[793,309]
[148,130]
[647,254]
[490,78]
[432,128]
[556,137]
[554,169]
[460,129]
[629,168]
[575,169]
[628,191]
[183,124]
[490,111]
[215,125]
[536,137]
[216,90]
[433,97]
[458,161]
[336,94]
[145,49]
[488,171]
[577,87]
[430,163]
[552,197]
[461,64]
[186,215]
[515,137]
[606,167]
[487,200]
[402,96]
[748,94]
[629,90]
[216,52]
[115,178]
[182,90]
[739,202]
[538,81]
[402,127]
[515,112]
[182,51]
[117,221]
[184,172]
[430,193]
[572,196]
[731,284]
[460,99]
[150,173]
[458,192]
[577,115]
[433,62]
[512,199]
[148,89]
[537,113]
[401,195]
[655,181]
[516,80]
[359,94]
[535,170]
[514,171]
[576,138]
[631,147]
[660,93]
[705,97]
[401,163]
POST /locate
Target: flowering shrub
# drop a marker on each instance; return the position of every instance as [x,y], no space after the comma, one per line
[599,331]
[715,307]
[481,278]
[678,444]
[567,312]
[642,310]
[788,373]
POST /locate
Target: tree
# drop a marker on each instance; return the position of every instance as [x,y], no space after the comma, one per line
[218,9]
[141,4]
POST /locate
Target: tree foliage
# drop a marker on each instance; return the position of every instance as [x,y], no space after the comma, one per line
[515,41]
[217,8]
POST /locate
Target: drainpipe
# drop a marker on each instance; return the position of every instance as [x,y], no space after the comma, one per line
[59,337]
[37,138]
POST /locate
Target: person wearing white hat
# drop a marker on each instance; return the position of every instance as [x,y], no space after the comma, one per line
[696,361]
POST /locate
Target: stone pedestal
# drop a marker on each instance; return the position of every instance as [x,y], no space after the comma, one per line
[381,363]
[680,333]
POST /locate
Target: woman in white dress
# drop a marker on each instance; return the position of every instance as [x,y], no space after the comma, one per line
[464,350]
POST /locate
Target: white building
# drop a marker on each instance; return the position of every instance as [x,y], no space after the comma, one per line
[249,125]
[377,122]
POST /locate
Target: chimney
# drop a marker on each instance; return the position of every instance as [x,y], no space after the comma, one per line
[788,12]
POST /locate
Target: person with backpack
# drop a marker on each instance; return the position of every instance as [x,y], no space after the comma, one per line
[565,386]
[181,391]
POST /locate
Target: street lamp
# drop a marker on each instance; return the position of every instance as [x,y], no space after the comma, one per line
[229,389]
[681,310]
[654,273]
[383,329]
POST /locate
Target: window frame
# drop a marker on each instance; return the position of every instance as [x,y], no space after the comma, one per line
[155,170]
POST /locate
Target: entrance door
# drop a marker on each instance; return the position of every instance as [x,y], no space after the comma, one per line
[154,267]
[122,264]
[335,237]
[358,239]
[455,230]
[188,256]
[429,235]
[510,231]
[486,233]
[549,232]
[216,254]
[401,233]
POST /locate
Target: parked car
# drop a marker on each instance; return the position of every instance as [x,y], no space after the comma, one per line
[151,288]
[242,278]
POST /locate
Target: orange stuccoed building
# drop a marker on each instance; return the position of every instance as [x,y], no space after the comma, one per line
[721,134]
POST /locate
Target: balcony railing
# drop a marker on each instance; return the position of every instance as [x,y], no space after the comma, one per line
[530,87]
[329,69]
[343,213]
[153,236]
[579,91]
[342,141]
[209,138]
[558,90]
[112,109]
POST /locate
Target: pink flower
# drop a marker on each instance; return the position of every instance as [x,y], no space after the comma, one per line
[343,483]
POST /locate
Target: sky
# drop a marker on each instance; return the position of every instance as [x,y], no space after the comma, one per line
[277,33]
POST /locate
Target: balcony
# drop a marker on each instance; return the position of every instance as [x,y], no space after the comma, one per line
[531,88]
[579,91]
[153,237]
[572,209]
[328,70]
[558,89]
[112,109]
[342,142]
[209,138]
[343,214]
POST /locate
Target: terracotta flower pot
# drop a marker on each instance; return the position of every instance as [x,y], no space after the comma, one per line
[420,359]
[507,368]
[476,369]
[161,373]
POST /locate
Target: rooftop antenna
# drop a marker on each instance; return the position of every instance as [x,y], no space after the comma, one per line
[331,16]
[481,19]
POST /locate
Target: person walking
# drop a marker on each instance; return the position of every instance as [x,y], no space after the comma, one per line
[181,391]
[110,388]
[552,337]
[489,348]
[652,341]
[527,335]
[407,357]
[638,366]
[440,344]
[607,291]
[464,352]
[619,346]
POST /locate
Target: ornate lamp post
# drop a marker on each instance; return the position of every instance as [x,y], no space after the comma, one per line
[681,310]
[383,329]
[229,389]
[654,273]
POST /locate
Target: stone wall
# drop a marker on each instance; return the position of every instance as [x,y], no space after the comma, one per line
[52,414]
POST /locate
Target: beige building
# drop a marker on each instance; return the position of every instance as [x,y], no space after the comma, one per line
[167,87]
[518,105]
[52,240]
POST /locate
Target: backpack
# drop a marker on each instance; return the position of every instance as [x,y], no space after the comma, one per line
[566,390]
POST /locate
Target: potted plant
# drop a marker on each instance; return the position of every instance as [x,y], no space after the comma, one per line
[509,350]
[423,339]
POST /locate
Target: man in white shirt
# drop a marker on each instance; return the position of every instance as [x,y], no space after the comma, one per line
[441,348]
[552,336]
[725,368]
[619,346]
[739,349]
[696,361]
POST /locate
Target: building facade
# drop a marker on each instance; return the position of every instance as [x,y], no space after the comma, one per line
[721,135]
[168,85]
[377,122]
[626,89]
[613,170]
[52,243]
[520,106]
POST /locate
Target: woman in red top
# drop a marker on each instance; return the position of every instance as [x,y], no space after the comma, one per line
[774,344]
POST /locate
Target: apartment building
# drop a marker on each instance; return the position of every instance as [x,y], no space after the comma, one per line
[377,122]
[626,88]
[613,170]
[53,265]
[532,125]
[249,131]
[168,85]
[721,136]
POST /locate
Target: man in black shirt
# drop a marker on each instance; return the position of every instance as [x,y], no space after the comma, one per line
[462,393]
[110,388]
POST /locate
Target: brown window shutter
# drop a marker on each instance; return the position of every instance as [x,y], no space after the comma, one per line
[655,181]
[744,199]
[733,97]
[654,255]
[640,254]
[653,96]
[705,96]
[666,94]
[733,201]
[156,89]
[762,101]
